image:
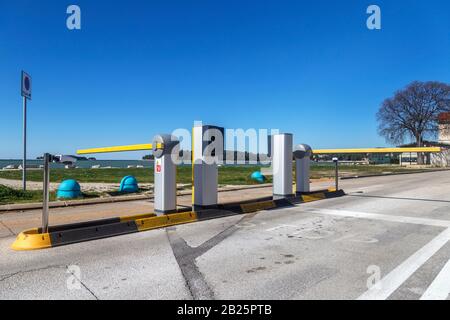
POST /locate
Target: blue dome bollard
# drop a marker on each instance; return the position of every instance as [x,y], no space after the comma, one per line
[69,189]
[258,177]
[129,184]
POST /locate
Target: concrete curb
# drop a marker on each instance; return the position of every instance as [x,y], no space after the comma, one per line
[61,235]
[390,174]
[74,203]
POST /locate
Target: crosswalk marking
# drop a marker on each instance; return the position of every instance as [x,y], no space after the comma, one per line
[394,279]
[440,287]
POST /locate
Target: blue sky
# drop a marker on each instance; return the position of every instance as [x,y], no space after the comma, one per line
[138,68]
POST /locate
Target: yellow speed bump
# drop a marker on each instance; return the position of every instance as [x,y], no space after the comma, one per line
[134,147]
[32,240]
[377,150]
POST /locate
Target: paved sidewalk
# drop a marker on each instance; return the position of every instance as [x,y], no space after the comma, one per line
[110,199]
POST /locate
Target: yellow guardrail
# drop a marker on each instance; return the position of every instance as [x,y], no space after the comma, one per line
[377,150]
[134,147]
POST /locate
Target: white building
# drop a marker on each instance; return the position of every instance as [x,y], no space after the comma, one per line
[441,159]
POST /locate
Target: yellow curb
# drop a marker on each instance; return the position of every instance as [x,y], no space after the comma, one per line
[313,197]
[165,221]
[32,240]
[136,217]
[257,206]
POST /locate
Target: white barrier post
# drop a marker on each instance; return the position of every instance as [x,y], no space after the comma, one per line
[165,184]
[282,165]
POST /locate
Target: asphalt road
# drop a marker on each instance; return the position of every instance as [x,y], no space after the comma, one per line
[387,239]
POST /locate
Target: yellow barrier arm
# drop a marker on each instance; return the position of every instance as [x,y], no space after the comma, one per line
[377,150]
[134,147]
[141,147]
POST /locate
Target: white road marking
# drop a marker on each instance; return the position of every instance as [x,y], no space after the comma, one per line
[394,279]
[384,217]
[440,287]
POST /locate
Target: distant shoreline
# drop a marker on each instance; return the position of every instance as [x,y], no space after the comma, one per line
[85,164]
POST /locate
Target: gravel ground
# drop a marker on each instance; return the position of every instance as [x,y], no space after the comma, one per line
[86,187]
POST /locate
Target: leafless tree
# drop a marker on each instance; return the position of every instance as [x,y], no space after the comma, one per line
[412,113]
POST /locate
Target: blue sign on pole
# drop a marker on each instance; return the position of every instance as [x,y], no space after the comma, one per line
[26,85]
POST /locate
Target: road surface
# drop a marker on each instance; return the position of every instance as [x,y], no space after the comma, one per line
[387,239]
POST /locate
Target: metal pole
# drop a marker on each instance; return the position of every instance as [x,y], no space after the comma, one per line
[337,174]
[46,193]
[24,161]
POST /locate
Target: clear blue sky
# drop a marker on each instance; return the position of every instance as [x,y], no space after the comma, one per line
[138,68]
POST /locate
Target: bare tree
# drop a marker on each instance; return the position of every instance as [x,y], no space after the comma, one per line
[413,112]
